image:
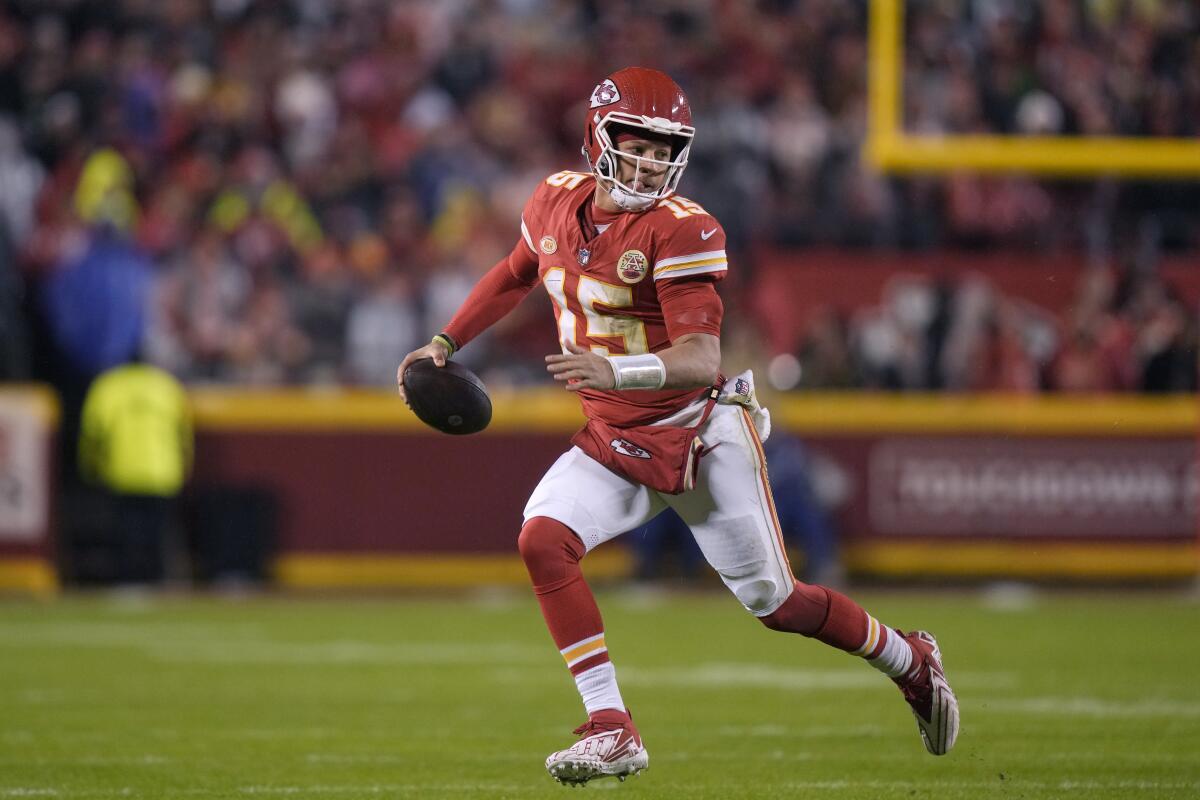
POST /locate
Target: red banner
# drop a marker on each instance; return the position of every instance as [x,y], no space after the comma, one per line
[983,486]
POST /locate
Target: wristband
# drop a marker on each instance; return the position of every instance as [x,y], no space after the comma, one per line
[638,372]
[445,339]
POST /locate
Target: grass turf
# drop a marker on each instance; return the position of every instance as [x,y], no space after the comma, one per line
[1078,696]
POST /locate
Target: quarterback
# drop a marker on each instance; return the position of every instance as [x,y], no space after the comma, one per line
[631,268]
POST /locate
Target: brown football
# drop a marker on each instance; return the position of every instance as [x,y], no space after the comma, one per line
[451,399]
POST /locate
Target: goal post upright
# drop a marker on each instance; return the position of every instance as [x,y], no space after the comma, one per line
[892,149]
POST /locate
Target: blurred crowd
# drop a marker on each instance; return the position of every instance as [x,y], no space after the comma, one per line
[300,191]
[1126,68]
[1122,333]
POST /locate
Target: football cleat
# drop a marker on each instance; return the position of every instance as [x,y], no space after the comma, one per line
[610,747]
[930,696]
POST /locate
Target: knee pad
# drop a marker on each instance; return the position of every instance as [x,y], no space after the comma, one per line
[757,591]
[551,552]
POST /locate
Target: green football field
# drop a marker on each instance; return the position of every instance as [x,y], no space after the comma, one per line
[1064,695]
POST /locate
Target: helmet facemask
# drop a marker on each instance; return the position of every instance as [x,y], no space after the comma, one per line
[605,167]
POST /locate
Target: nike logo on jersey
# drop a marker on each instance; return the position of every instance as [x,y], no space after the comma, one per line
[706,234]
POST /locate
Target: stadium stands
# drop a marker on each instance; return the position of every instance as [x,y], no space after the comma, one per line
[317,183]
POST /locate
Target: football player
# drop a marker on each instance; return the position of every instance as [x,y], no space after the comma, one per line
[631,268]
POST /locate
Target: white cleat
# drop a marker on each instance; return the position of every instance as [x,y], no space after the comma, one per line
[930,696]
[610,747]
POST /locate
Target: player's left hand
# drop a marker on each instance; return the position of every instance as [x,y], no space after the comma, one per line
[581,369]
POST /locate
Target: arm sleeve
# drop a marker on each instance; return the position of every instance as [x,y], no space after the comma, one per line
[498,292]
[690,305]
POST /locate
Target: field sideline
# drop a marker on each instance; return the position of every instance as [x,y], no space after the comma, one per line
[1063,695]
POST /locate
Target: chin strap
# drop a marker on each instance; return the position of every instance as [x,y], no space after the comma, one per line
[628,200]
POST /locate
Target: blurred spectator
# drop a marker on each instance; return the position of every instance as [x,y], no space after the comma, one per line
[383,327]
[136,442]
[826,359]
[1165,341]
[1082,365]
[268,347]
[20,180]
[200,305]
[95,303]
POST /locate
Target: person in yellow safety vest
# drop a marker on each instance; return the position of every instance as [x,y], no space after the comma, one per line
[136,441]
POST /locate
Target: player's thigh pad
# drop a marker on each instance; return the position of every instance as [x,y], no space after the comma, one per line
[590,499]
[732,516]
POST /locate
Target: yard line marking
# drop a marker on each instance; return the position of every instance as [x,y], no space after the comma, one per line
[89,761]
[931,786]
[123,633]
[1136,758]
[477,789]
[343,652]
[724,675]
[355,758]
[802,732]
[1089,707]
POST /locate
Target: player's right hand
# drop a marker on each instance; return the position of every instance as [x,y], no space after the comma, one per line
[435,350]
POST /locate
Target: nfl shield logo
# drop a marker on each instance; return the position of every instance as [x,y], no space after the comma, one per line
[585,256]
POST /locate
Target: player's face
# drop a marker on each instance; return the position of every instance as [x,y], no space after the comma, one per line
[643,175]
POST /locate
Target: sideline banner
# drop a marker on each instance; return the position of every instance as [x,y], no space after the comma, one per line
[1092,488]
[917,486]
[28,419]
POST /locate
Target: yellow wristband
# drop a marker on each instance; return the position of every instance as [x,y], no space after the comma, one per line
[447,342]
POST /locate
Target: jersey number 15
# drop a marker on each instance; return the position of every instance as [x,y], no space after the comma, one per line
[600,324]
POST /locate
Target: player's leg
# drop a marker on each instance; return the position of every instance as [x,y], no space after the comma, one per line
[732,515]
[578,505]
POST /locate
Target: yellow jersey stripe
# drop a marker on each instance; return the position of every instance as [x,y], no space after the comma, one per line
[690,264]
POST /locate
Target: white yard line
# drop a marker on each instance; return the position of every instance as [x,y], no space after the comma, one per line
[802,732]
[89,761]
[1087,707]
[931,788]
[341,652]
[723,675]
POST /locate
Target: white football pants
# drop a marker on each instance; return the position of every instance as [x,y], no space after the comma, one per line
[730,512]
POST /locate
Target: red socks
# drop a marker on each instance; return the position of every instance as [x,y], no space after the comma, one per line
[552,552]
[825,615]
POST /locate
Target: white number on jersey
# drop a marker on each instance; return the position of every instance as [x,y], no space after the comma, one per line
[683,208]
[600,323]
[566,178]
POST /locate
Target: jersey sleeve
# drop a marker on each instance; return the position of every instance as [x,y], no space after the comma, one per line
[690,305]
[530,249]
[529,222]
[692,246]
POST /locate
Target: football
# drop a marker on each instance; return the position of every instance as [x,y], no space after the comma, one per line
[451,399]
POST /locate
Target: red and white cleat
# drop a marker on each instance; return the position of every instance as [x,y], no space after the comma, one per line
[926,690]
[610,746]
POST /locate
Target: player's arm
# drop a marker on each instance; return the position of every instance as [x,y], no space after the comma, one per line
[496,294]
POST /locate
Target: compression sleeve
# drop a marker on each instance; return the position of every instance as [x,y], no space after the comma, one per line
[690,305]
[498,292]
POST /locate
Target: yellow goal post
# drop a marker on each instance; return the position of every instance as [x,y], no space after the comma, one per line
[890,148]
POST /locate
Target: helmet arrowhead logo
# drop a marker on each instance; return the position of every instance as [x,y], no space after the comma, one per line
[605,93]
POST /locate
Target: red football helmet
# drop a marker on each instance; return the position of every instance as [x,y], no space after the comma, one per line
[650,105]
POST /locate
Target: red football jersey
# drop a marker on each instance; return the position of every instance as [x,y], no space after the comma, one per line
[606,290]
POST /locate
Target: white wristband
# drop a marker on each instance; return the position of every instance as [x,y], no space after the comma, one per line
[638,372]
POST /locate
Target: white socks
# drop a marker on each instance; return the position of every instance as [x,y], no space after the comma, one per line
[896,657]
[598,688]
